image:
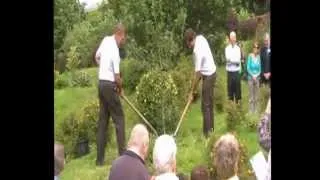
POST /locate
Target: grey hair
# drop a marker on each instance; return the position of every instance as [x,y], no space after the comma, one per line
[227,154]
[164,154]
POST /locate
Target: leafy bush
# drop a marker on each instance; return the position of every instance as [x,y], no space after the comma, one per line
[61,81]
[235,115]
[251,123]
[72,58]
[182,76]
[80,125]
[156,99]
[131,71]
[220,93]
[81,79]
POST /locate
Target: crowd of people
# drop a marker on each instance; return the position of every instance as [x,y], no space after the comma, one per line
[130,164]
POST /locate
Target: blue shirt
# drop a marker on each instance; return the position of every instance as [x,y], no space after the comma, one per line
[253,66]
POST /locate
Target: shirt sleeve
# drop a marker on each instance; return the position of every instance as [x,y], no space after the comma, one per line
[198,59]
[116,63]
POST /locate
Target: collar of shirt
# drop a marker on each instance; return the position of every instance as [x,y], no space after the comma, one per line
[134,155]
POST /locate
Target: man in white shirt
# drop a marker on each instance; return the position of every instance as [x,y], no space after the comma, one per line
[205,68]
[110,88]
[233,57]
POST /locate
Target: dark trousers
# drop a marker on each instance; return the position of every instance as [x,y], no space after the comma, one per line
[109,105]
[208,83]
[234,86]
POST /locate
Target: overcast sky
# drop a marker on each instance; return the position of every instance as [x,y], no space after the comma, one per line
[91,4]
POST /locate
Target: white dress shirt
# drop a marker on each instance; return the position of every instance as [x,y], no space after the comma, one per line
[203,58]
[109,59]
[233,56]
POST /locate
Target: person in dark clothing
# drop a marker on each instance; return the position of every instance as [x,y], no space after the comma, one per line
[109,90]
[205,69]
[265,55]
[130,165]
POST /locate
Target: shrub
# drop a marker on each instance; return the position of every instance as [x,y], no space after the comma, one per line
[131,71]
[72,58]
[251,123]
[81,79]
[60,81]
[235,115]
[182,76]
[220,93]
[81,125]
[156,99]
[264,95]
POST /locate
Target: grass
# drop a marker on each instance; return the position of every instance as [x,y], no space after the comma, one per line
[191,144]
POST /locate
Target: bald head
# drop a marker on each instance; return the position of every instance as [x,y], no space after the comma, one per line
[139,140]
[233,37]
[119,32]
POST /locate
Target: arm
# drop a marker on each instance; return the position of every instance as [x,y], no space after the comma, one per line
[197,74]
[259,68]
[227,54]
[116,68]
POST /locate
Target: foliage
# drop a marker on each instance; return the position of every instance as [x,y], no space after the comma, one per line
[251,123]
[81,124]
[182,76]
[264,95]
[235,115]
[87,36]
[73,58]
[81,79]
[66,14]
[156,99]
[220,93]
[61,81]
[131,71]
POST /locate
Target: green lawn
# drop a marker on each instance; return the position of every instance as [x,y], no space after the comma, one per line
[191,143]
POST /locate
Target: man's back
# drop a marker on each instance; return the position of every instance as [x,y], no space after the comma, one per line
[129,166]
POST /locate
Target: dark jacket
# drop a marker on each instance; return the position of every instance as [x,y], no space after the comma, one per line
[129,166]
[265,60]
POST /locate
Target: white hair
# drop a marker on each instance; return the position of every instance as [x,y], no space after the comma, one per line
[267,36]
[232,34]
[164,153]
[139,136]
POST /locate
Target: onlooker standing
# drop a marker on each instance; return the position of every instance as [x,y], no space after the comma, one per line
[205,69]
[59,160]
[233,57]
[110,88]
[254,70]
[130,165]
[265,55]
[164,158]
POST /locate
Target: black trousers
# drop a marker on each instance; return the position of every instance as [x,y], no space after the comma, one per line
[234,86]
[110,105]
[208,83]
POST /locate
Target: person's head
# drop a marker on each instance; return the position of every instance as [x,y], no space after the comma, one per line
[199,173]
[227,154]
[164,154]
[255,50]
[266,40]
[139,140]
[233,37]
[119,32]
[189,37]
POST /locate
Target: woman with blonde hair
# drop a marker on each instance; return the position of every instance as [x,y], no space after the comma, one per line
[254,70]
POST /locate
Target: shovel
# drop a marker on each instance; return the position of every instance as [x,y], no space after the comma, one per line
[182,116]
[141,116]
